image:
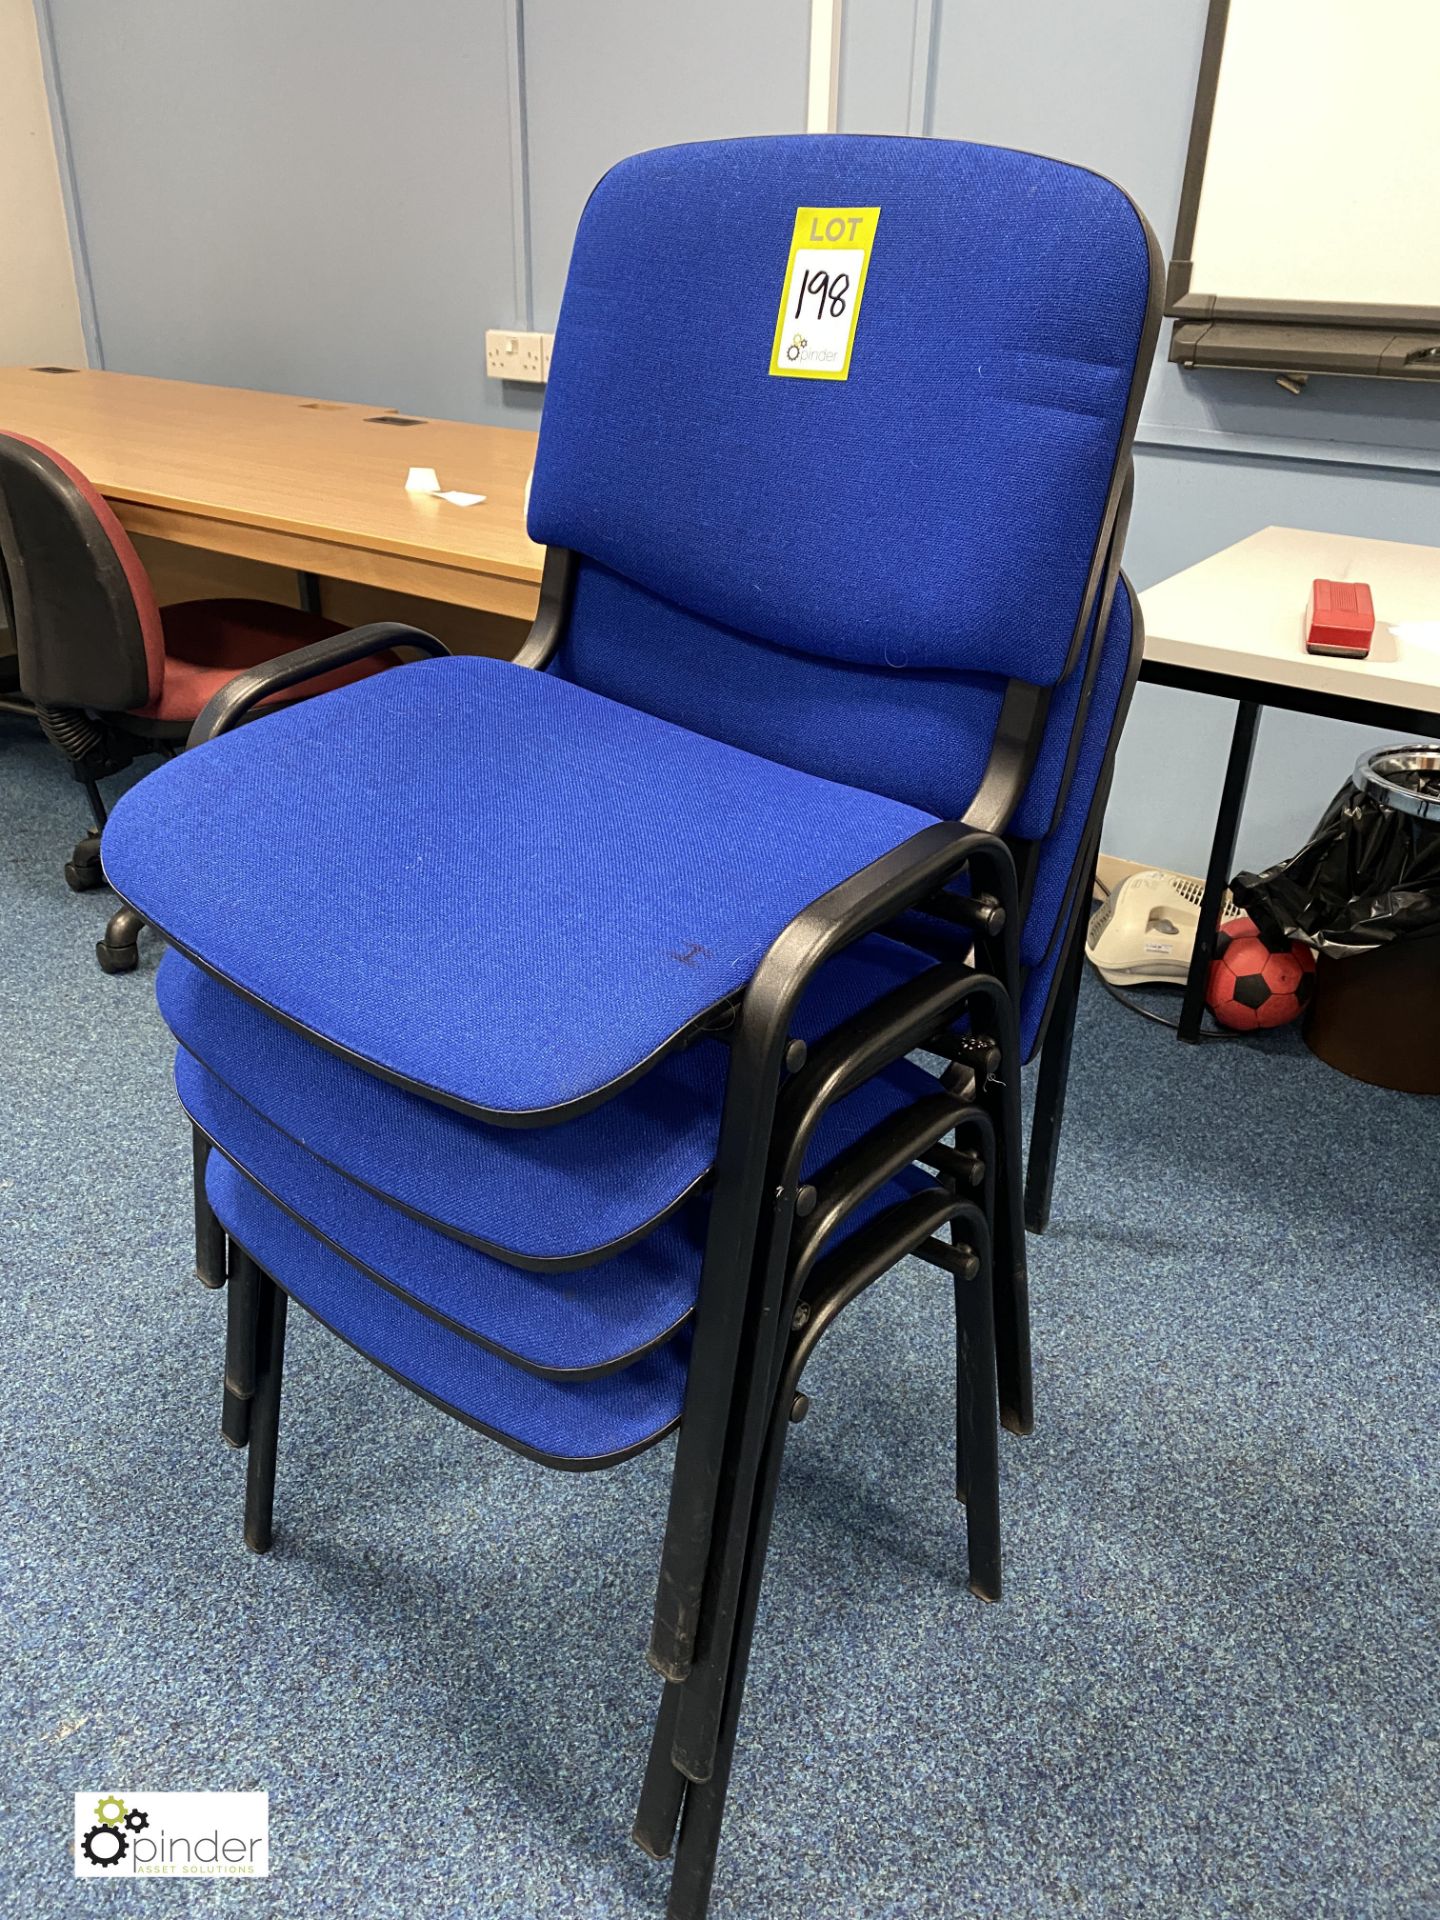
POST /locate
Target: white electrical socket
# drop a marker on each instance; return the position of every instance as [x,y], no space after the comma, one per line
[517,356]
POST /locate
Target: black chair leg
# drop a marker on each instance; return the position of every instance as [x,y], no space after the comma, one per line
[704,1808]
[242,1341]
[994,1057]
[265,1413]
[693,1875]
[97,804]
[701,1802]
[209,1234]
[1054,1079]
[977,1431]
[1008,1253]
[119,951]
[662,1792]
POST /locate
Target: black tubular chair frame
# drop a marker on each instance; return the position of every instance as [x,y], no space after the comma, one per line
[693,1713]
[211,1260]
[668,1798]
[750,1363]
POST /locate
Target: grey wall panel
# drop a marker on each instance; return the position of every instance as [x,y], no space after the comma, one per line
[306,195]
[603,81]
[877,48]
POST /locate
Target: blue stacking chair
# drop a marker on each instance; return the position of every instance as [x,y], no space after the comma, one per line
[553,1019]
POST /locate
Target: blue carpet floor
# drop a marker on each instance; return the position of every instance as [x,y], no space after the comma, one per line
[1211,1688]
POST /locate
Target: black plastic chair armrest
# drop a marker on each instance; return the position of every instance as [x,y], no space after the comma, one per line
[905,877]
[235,699]
[552,614]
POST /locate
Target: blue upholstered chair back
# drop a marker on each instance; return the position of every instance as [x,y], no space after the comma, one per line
[842,574]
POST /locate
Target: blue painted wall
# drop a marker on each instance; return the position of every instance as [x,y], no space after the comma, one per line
[338,197]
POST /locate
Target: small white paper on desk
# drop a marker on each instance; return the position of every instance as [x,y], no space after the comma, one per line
[426,480]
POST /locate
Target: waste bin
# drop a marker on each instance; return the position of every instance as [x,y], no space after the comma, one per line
[1364,892]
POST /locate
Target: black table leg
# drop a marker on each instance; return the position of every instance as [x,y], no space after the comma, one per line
[1222,856]
[308,585]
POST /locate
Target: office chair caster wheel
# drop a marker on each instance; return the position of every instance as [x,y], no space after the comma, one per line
[84,877]
[117,959]
[119,951]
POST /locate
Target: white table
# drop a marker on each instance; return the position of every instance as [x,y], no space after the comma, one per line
[1233,626]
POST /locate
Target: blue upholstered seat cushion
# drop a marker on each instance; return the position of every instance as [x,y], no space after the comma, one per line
[579,1323]
[496,886]
[566,1423]
[559,1195]
[574,1322]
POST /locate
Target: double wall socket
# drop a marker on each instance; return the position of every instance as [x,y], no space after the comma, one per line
[518,356]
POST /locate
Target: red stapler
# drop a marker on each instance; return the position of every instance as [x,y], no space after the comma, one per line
[1340,619]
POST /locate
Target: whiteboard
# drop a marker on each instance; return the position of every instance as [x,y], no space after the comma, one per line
[1320,188]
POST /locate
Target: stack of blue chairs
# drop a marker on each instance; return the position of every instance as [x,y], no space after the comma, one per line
[577,1036]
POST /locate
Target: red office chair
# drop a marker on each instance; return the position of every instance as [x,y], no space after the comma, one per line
[111,674]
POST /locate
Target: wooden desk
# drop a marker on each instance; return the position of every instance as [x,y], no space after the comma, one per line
[1233,626]
[312,486]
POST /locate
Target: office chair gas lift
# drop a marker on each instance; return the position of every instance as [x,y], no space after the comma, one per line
[577,1036]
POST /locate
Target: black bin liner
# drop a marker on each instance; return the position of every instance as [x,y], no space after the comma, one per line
[1370,872]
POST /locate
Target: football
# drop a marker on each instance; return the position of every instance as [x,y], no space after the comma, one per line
[1254,986]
